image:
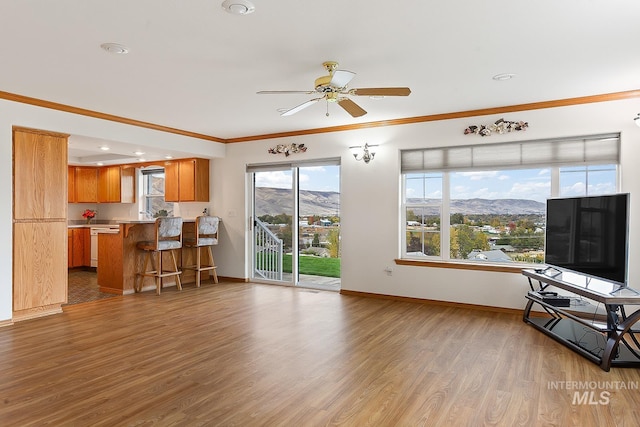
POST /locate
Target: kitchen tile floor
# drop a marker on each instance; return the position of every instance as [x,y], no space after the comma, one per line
[83,287]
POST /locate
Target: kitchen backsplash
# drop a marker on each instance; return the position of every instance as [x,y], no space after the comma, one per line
[120,211]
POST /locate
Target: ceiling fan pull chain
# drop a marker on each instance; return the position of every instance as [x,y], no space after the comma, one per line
[327,108]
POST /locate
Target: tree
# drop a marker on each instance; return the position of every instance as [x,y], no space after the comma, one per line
[457,218]
[316,240]
[411,216]
[465,239]
[333,243]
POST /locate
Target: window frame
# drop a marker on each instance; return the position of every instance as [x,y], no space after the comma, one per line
[146,198]
[444,258]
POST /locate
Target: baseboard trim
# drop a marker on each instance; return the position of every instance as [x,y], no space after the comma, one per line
[434,302]
[232,279]
[7,322]
[33,313]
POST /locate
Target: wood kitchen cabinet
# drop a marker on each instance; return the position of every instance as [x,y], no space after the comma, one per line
[83,184]
[79,251]
[40,222]
[186,180]
[71,184]
[116,184]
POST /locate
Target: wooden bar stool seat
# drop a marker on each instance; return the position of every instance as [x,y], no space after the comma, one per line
[168,237]
[206,235]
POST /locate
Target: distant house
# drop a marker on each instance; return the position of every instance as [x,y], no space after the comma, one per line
[325,222]
[503,248]
[413,223]
[491,256]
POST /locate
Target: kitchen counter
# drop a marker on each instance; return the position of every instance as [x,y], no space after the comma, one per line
[120,260]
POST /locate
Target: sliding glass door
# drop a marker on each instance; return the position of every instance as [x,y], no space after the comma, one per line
[296,224]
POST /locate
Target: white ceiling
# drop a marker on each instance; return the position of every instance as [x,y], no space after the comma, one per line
[194,67]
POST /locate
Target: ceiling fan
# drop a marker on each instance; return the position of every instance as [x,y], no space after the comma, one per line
[333,88]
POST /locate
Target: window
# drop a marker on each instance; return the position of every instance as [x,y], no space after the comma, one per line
[152,200]
[487,203]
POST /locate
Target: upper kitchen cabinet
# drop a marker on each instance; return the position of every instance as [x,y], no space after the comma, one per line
[116,184]
[186,180]
[83,184]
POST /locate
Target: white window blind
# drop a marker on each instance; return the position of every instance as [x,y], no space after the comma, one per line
[266,167]
[542,153]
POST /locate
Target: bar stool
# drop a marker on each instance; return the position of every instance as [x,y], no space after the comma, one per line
[206,235]
[168,237]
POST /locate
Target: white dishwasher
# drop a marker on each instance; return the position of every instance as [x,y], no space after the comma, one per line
[93,232]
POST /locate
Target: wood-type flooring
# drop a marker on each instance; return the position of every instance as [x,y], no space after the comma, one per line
[237,354]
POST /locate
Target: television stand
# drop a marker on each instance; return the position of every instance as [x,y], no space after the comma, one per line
[607,336]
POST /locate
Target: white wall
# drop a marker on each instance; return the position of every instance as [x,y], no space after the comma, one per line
[368,192]
[370,197]
[16,114]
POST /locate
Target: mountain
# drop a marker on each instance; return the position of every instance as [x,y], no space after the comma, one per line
[486,206]
[274,201]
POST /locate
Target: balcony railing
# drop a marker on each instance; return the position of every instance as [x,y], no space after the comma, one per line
[268,252]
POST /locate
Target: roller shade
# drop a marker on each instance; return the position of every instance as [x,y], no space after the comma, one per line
[266,167]
[541,153]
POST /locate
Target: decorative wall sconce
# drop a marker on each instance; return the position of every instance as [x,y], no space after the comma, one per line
[364,152]
[637,120]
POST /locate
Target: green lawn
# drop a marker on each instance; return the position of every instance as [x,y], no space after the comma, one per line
[316,266]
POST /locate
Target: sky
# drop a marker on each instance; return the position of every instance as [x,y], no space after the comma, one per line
[530,184]
[314,178]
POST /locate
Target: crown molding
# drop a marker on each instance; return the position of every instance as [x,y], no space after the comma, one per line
[615,96]
[103,116]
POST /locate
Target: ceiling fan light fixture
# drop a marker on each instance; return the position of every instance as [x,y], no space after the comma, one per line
[238,7]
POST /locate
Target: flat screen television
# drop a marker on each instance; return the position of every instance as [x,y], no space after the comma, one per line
[589,235]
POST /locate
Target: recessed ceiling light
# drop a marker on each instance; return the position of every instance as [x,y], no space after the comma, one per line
[104,148]
[138,153]
[238,7]
[100,164]
[115,48]
[141,160]
[503,76]
[168,156]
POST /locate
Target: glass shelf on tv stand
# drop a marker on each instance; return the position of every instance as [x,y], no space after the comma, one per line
[605,336]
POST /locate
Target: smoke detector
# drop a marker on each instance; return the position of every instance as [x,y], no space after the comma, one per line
[238,7]
[115,48]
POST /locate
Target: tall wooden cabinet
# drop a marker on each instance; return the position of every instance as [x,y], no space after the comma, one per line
[39,222]
[186,180]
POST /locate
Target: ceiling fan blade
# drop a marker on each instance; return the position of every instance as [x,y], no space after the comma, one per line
[341,78]
[277,92]
[351,107]
[381,91]
[300,107]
